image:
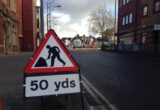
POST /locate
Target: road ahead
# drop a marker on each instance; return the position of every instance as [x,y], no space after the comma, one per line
[129,82]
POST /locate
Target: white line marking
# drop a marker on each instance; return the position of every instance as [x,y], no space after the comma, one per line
[99,94]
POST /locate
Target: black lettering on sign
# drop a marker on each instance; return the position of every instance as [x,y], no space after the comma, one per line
[57,85]
[43,84]
[72,84]
[65,84]
[34,85]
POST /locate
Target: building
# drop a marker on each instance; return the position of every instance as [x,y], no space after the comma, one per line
[30,25]
[66,41]
[77,41]
[20,25]
[139,25]
[127,23]
[9,26]
[89,41]
[84,41]
[150,26]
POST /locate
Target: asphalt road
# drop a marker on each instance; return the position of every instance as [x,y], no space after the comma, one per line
[128,81]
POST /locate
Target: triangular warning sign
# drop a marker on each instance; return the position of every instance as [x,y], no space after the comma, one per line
[51,56]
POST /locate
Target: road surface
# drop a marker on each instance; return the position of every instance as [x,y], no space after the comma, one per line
[128,81]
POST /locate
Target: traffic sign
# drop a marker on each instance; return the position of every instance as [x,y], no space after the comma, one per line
[51,56]
[52,85]
[51,70]
[157,27]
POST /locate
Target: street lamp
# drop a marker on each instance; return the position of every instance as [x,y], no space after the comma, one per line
[38,18]
[41,19]
[49,10]
[115,24]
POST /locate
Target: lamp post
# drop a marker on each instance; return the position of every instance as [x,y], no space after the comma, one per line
[47,15]
[41,19]
[49,10]
[38,21]
[115,23]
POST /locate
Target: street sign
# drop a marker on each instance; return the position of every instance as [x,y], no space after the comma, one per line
[157,27]
[51,70]
[52,85]
[51,56]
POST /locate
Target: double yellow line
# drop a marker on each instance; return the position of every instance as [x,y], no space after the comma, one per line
[91,89]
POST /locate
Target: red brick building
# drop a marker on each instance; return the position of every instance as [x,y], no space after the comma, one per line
[139,25]
[20,25]
[29,25]
[150,26]
[9,26]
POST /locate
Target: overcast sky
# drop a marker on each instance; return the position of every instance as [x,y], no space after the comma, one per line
[71,17]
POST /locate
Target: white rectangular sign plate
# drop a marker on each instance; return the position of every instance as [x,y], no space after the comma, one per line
[51,85]
[157,27]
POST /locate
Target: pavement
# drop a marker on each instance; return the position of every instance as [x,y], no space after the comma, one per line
[11,90]
[64,102]
[83,49]
[134,52]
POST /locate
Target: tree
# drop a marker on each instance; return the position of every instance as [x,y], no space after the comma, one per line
[108,33]
[100,20]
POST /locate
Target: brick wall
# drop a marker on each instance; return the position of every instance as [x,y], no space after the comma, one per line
[29,28]
[9,24]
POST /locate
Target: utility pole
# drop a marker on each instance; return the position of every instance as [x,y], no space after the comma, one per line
[41,19]
[115,24]
[49,14]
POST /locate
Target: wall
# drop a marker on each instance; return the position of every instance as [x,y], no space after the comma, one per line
[9,42]
[29,27]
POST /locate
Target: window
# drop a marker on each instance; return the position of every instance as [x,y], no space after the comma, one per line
[14,35]
[13,5]
[157,6]
[124,2]
[123,21]
[127,19]
[127,1]
[130,18]
[4,1]
[145,10]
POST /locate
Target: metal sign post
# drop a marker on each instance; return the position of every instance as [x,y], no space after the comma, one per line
[52,70]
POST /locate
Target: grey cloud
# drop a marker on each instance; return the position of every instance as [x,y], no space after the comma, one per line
[77,9]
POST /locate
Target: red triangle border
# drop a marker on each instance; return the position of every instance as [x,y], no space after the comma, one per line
[29,70]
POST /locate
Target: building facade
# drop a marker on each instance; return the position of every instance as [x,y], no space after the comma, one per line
[9,26]
[29,25]
[20,25]
[139,25]
[150,26]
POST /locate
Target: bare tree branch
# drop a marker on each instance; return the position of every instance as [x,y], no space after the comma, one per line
[100,20]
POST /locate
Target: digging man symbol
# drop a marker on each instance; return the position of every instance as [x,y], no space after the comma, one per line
[55,52]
